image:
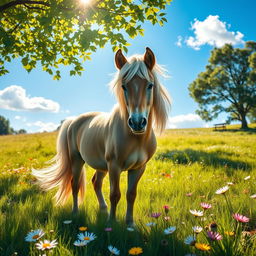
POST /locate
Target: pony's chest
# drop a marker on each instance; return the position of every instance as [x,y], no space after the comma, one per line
[135,159]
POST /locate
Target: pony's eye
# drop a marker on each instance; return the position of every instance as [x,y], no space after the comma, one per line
[124,88]
[150,86]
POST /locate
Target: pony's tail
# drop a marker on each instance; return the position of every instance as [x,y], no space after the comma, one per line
[59,174]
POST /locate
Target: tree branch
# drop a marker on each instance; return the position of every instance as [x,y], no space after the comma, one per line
[22,2]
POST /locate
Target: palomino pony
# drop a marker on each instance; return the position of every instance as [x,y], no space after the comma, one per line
[114,142]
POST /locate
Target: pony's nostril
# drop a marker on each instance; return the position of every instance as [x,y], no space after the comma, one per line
[130,122]
[143,122]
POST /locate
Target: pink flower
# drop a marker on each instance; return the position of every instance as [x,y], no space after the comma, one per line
[189,194]
[108,229]
[240,218]
[155,215]
[214,235]
[206,206]
[166,208]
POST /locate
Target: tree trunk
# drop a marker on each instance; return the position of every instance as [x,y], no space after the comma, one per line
[244,122]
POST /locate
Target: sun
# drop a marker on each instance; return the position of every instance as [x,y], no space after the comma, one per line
[85,2]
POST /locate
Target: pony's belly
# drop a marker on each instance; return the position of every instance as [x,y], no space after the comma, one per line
[96,163]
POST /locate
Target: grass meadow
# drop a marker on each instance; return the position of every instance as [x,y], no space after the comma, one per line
[187,169]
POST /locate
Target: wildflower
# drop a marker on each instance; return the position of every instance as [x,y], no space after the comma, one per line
[113,250]
[156,215]
[67,221]
[135,251]
[82,228]
[197,229]
[196,213]
[229,233]
[253,196]
[202,247]
[108,229]
[151,224]
[230,183]
[240,218]
[130,229]
[169,230]
[247,178]
[80,243]
[214,235]
[190,240]
[46,244]
[166,208]
[166,218]
[206,206]
[34,235]
[87,237]
[222,190]
[189,194]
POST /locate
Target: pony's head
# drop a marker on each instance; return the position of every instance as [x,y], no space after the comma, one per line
[138,91]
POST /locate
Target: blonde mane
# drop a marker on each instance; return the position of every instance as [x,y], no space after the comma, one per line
[161,102]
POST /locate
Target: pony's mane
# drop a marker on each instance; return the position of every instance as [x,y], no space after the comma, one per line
[161,102]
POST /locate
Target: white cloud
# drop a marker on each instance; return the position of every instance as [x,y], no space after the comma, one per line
[179,41]
[15,98]
[185,121]
[17,117]
[214,32]
[43,127]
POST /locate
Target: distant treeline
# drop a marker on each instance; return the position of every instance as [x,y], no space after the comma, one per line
[6,129]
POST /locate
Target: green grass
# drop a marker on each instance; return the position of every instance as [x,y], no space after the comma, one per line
[197,161]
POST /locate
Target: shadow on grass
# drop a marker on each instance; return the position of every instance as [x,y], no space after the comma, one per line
[214,159]
[246,131]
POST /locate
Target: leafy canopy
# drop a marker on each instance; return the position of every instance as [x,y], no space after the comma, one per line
[66,32]
[228,84]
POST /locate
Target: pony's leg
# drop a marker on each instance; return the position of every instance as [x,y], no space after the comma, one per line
[97,184]
[115,194]
[77,168]
[133,179]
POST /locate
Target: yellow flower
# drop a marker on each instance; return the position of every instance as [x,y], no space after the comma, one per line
[135,251]
[83,228]
[229,233]
[202,247]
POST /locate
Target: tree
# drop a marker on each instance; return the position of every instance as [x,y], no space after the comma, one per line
[5,126]
[66,32]
[228,84]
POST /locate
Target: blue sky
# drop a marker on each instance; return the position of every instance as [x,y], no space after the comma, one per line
[182,45]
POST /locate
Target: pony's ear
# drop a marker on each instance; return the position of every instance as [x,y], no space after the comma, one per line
[120,60]
[149,58]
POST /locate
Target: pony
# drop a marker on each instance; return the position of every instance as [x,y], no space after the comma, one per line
[122,140]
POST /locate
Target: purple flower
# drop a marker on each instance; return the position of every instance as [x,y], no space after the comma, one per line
[155,215]
[214,235]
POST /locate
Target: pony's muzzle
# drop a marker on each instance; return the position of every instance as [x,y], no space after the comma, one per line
[137,125]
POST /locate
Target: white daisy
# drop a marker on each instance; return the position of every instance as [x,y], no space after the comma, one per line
[113,250]
[190,240]
[80,243]
[222,190]
[34,235]
[67,221]
[247,177]
[197,229]
[197,213]
[169,230]
[151,224]
[87,237]
[130,229]
[253,196]
[46,245]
